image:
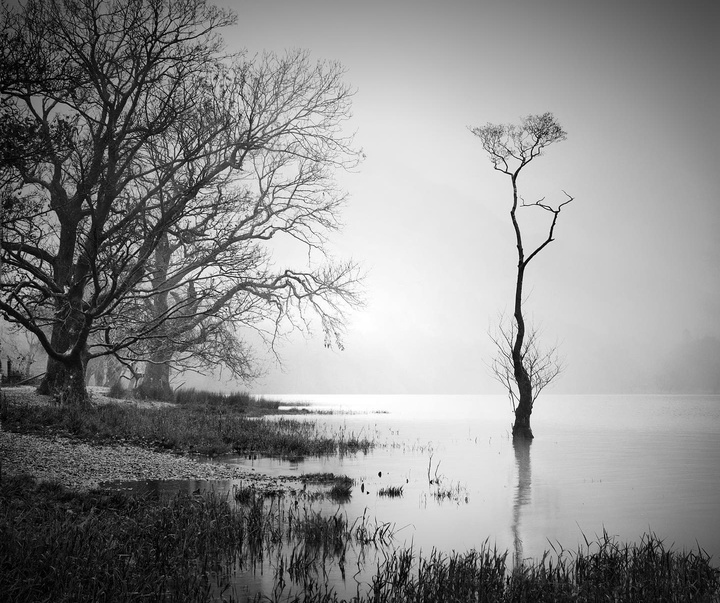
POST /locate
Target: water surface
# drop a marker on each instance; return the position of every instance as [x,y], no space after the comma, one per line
[627,465]
[623,464]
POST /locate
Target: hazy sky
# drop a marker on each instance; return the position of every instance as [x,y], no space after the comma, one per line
[634,267]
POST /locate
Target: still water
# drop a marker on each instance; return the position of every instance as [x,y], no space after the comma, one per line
[627,465]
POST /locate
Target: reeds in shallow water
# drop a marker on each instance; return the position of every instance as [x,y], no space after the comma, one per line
[391,491]
[61,546]
[603,571]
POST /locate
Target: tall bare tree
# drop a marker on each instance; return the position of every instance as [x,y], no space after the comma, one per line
[511,148]
[130,129]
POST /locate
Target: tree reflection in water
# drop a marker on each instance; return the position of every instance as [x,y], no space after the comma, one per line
[522,494]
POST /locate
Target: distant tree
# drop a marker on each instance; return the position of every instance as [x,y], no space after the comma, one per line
[21,347]
[129,133]
[511,148]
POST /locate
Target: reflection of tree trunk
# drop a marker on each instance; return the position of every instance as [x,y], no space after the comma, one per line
[522,494]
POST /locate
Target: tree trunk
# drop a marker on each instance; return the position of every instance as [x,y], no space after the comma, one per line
[65,381]
[156,382]
[57,372]
[521,428]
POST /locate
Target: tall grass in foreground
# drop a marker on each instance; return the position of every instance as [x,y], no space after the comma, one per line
[209,427]
[605,571]
[57,545]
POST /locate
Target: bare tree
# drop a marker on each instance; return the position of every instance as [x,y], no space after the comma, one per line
[130,127]
[542,365]
[212,275]
[511,148]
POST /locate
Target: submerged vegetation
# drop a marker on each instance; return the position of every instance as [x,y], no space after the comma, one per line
[201,423]
[105,546]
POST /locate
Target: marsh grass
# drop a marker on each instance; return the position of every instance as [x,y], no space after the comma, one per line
[206,426]
[341,490]
[391,491]
[61,546]
[453,492]
[57,545]
[339,487]
[234,401]
[606,570]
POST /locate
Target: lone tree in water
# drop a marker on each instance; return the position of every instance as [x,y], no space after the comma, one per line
[510,148]
[128,226]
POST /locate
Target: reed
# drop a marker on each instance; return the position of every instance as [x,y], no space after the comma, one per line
[604,571]
[234,401]
[391,491]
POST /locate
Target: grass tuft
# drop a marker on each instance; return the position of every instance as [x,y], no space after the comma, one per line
[340,485]
[391,491]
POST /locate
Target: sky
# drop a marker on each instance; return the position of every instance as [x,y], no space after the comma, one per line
[634,267]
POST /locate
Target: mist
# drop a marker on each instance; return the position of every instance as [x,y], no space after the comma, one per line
[629,290]
[630,285]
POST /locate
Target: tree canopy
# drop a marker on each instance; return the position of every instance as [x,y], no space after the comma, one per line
[146,170]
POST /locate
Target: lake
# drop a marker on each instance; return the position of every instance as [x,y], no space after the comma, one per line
[627,465]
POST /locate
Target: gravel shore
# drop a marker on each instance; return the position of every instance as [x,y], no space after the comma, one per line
[82,466]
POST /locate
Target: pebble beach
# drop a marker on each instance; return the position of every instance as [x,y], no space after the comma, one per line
[82,466]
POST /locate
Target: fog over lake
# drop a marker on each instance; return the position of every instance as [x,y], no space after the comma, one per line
[628,465]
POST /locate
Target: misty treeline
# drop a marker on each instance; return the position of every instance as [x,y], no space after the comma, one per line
[148,175]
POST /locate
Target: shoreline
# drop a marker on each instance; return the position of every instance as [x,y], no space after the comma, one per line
[80,465]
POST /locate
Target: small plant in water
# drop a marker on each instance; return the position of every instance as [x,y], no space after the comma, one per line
[391,491]
[341,490]
[452,492]
[340,485]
